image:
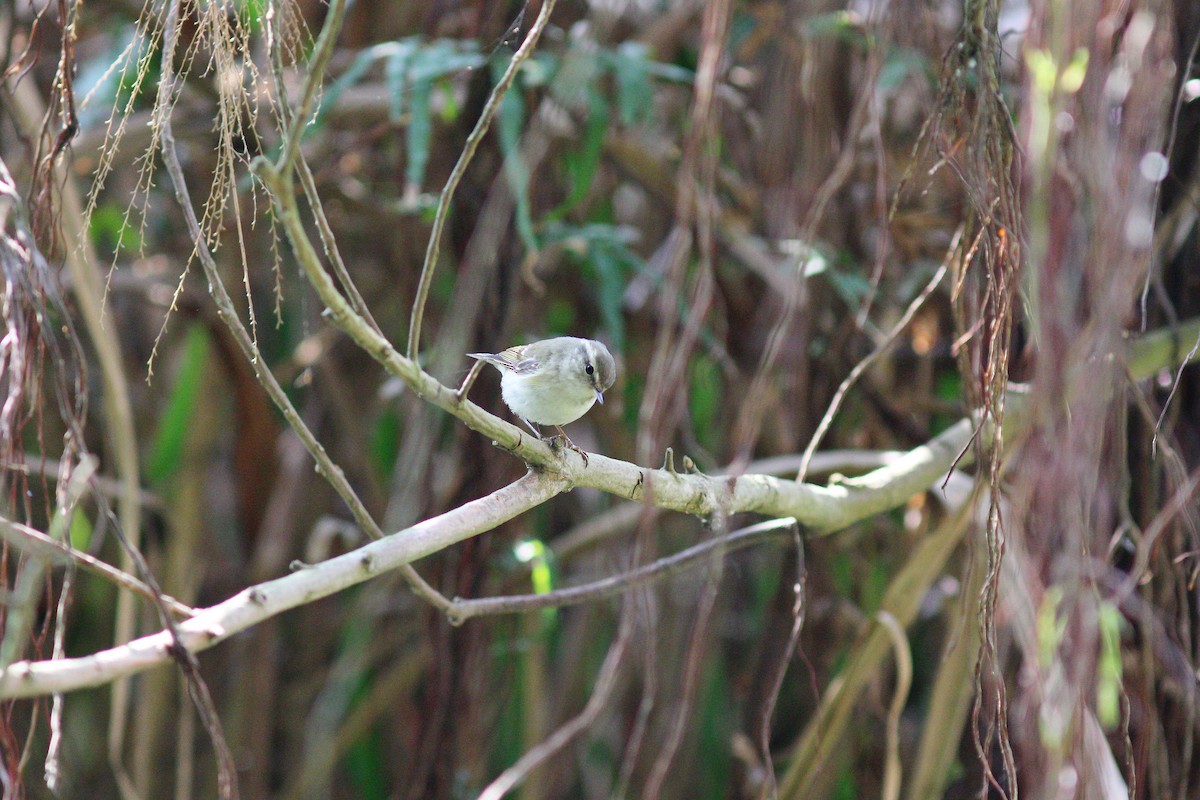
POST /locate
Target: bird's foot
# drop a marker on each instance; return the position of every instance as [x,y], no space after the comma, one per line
[569,444]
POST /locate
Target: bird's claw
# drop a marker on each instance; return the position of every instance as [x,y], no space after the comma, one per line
[582,453]
[566,440]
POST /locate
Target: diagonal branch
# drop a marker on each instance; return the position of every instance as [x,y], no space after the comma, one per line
[37,544]
[251,606]
[228,314]
[315,73]
[820,509]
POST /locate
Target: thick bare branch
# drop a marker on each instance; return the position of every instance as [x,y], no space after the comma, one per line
[253,605]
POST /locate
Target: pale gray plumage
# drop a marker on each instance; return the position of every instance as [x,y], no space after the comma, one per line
[554,381]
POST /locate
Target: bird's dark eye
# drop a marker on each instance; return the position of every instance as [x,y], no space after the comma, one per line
[589,369]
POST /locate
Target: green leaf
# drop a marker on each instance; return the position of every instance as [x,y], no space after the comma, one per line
[1109,667]
[451,109]
[898,65]
[611,270]
[1051,626]
[670,72]
[353,74]
[81,530]
[604,249]
[383,445]
[539,69]
[541,577]
[251,14]
[168,448]
[579,71]
[395,75]
[635,97]
[704,400]
[1072,77]
[1043,69]
[581,163]
[508,127]
[419,71]
[420,132]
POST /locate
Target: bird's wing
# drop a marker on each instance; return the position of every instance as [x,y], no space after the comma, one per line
[519,361]
[514,359]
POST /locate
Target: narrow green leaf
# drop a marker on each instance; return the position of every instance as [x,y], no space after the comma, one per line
[395,75]
[582,162]
[420,132]
[635,97]
[167,450]
[705,400]
[383,445]
[509,125]
[81,530]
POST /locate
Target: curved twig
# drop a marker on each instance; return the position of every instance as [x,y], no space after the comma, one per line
[460,167]
[617,584]
[516,774]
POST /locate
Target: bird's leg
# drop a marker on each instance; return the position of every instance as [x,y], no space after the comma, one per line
[572,445]
[533,428]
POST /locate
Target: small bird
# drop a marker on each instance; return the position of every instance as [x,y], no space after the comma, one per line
[554,381]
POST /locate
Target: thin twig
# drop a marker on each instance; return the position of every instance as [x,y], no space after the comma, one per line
[469,381]
[518,772]
[21,602]
[315,73]
[862,366]
[693,662]
[50,468]
[770,785]
[1179,502]
[53,761]
[644,604]
[460,167]
[892,769]
[40,545]
[463,610]
[328,241]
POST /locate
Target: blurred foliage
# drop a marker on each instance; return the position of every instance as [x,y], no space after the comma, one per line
[168,447]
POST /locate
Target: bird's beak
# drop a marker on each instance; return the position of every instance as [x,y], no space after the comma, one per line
[599,397]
